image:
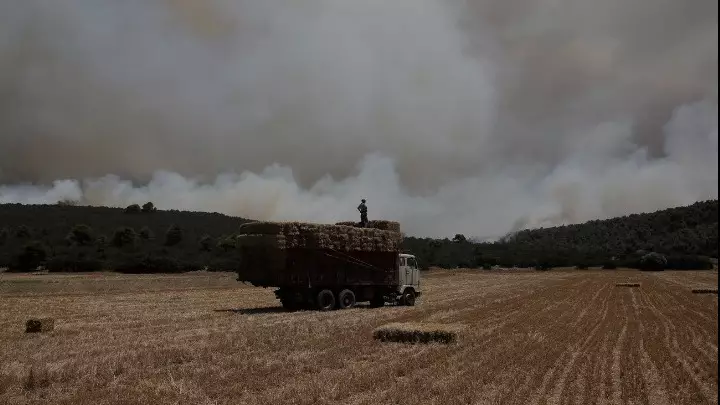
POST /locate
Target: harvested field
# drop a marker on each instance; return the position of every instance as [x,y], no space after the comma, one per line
[417,333]
[530,338]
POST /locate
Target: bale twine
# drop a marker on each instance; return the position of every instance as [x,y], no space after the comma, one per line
[39,325]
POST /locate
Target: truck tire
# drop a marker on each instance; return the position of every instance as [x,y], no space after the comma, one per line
[408,298]
[325,300]
[346,299]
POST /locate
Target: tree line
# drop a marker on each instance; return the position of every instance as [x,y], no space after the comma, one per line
[142,239]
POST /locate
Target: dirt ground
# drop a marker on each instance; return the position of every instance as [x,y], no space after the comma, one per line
[530,338]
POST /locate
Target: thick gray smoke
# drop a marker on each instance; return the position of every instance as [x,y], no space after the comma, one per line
[449,116]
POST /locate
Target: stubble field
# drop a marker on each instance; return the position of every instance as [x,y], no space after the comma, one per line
[530,338]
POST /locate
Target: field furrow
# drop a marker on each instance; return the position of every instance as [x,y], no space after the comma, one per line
[557,337]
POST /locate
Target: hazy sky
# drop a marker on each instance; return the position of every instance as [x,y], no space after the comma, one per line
[472,117]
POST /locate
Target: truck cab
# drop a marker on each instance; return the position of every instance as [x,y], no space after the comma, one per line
[409,279]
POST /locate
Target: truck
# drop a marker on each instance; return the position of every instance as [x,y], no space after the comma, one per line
[327,279]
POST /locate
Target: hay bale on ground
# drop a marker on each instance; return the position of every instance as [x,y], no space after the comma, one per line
[705,290]
[418,333]
[627,284]
[39,325]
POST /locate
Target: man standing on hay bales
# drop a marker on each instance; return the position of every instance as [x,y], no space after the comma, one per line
[363,213]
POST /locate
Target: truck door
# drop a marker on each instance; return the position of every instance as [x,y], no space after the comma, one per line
[414,276]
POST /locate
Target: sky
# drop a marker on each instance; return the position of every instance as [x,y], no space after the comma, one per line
[449,116]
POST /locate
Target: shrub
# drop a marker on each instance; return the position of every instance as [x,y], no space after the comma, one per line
[81,235]
[71,264]
[148,207]
[133,209]
[32,255]
[689,263]
[22,231]
[124,236]
[226,243]
[151,263]
[4,235]
[205,243]
[609,266]
[173,236]
[146,234]
[653,261]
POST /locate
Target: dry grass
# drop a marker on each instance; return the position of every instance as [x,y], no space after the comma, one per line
[627,284]
[417,333]
[531,338]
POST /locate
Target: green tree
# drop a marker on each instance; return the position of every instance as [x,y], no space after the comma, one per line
[32,255]
[146,233]
[653,261]
[22,232]
[205,243]
[124,236]
[4,235]
[226,243]
[81,235]
[133,209]
[173,236]
[148,207]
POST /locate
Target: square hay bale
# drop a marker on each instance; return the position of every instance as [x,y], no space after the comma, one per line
[418,333]
[290,235]
[39,325]
[270,241]
[704,290]
[385,225]
[627,284]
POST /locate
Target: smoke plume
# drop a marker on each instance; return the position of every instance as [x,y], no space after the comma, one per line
[450,116]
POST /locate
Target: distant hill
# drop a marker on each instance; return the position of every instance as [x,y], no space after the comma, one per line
[50,226]
[80,238]
[681,233]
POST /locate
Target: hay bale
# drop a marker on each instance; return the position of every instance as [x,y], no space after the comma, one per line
[385,225]
[271,241]
[627,284]
[705,290]
[418,333]
[318,236]
[380,224]
[39,325]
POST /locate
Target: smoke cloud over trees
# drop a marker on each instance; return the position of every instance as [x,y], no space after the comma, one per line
[449,116]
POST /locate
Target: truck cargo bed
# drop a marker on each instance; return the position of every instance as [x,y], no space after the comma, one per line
[269,267]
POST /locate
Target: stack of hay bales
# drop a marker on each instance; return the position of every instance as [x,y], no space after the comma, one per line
[289,235]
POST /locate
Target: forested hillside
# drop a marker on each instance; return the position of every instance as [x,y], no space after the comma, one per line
[143,239]
[135,239]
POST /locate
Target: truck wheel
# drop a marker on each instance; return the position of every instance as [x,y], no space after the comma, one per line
[408,298]
[346,299]
[325,300]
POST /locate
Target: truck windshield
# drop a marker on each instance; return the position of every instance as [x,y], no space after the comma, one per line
[411,263]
